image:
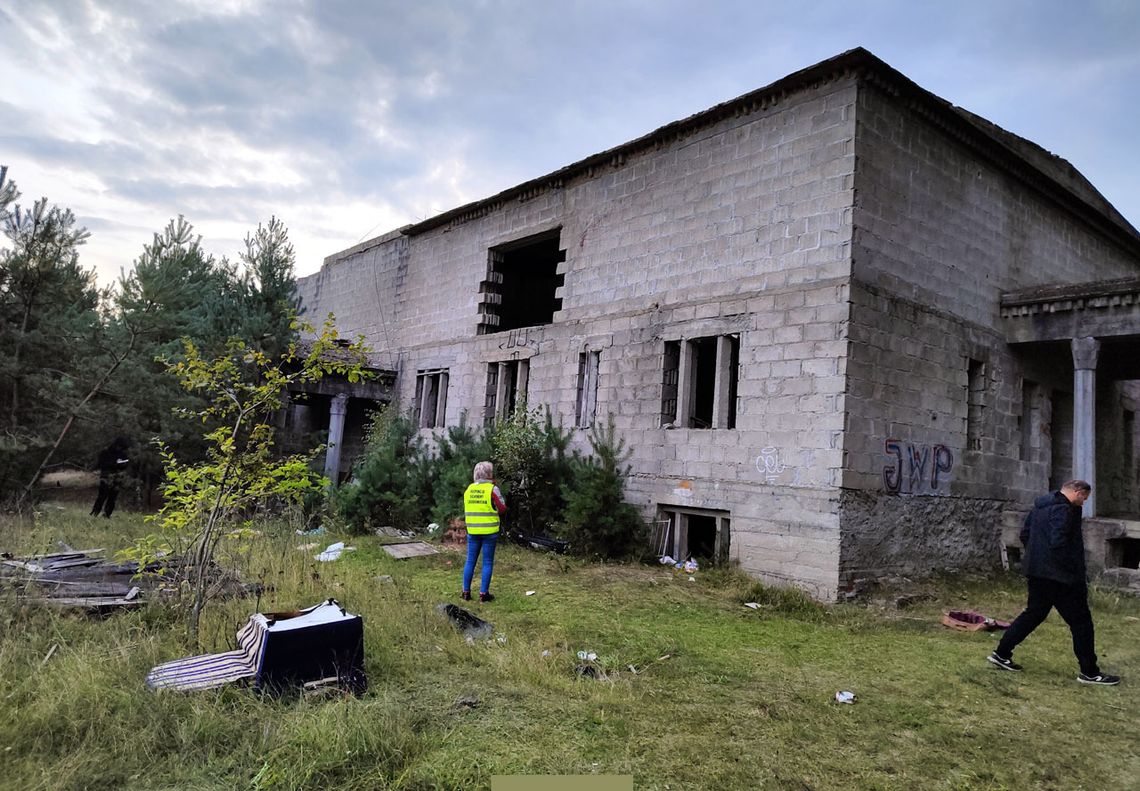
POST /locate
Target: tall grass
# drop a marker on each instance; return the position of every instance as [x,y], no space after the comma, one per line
[694,690]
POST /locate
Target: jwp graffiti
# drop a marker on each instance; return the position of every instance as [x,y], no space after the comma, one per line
[916,469]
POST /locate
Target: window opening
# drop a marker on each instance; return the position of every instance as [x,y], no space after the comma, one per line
[699,384]
[1027,421]
[431,398]
[1061,437]
[521,289]
[506,388]
[975,403]
[587,401]
[669,382]
[1129,443]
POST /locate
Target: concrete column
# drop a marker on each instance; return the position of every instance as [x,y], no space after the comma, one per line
[720,384]
[337,410]
[685,385]
[1085,351]
[502,392]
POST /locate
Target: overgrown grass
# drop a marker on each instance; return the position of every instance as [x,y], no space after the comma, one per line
[699,691]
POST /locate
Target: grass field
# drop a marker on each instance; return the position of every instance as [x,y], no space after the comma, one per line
[723,697]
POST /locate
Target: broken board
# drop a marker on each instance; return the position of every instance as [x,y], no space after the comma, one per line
[412,549]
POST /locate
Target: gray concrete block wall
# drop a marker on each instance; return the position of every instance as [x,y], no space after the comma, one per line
[939,235]
[938,225]
[744,227]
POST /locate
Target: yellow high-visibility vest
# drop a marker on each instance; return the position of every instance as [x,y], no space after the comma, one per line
[478,511]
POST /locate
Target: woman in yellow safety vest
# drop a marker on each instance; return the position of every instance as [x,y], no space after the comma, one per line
[483,505]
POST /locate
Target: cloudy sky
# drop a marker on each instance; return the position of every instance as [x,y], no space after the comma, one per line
[349,118]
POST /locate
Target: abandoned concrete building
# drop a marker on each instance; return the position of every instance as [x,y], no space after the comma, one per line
[848,329]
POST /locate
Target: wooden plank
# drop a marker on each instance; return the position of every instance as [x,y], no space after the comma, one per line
[410,550]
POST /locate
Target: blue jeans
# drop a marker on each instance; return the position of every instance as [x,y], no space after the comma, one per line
[486,543]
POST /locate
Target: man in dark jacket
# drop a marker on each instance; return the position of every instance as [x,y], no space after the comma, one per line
[111,462]
[1054,566]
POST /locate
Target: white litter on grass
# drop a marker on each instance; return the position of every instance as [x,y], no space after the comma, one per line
[844,697]
[333,551]
[501,639]
[752,605]
[546,653]
[531,593]
[665,560]
[692,579]
[587,655]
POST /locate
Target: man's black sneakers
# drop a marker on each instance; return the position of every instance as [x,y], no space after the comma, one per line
[1100,679]
[1008,664]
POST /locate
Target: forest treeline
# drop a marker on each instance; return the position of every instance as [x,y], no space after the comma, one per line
[83,363]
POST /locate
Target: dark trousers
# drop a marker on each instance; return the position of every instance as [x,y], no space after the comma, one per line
[105,500]
[1072,602]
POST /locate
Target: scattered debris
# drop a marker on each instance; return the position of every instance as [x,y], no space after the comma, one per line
[279,651]
[333,551]
[692,579]
[388,531]
[84,579]
[546,653]
[556,545]
[472,626]
[312,531]
[587,671]
[531,593]
[970,621]
[907,599]
[844,697]
[587,655]
[752,605]
[468,701]
[51,651]
[432,529]
[501,639]
[410,549]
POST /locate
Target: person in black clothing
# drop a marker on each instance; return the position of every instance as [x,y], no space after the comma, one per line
[1054,566]
[112,460]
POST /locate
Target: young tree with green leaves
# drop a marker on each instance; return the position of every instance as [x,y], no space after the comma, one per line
[204,501]
[597,520]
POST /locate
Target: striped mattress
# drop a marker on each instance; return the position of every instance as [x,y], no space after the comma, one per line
[214,670]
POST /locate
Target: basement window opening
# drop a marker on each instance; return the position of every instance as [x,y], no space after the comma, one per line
[1122,553]
[700,534]
[431,398]
[699,382]
[522,285]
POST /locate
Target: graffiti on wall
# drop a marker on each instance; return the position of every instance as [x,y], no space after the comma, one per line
[769,465]
[522,338]
[916,469]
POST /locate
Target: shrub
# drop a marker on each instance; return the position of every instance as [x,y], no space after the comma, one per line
[597,520]
[532,466]
[391,484]
[457,453]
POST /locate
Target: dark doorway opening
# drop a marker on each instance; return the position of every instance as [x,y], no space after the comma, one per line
[702,536]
